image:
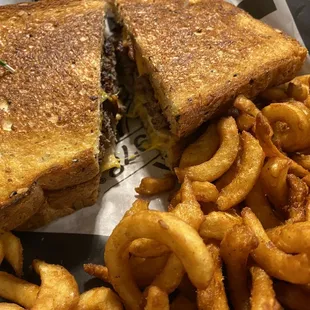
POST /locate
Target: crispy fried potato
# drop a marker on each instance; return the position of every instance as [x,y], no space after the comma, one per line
[171,275]
[264,133]
[245,122]
[190,212]
[137,206]
[153,186]
[145,270]
[166,228]
[18,290]
[262,294]
[182,303]
[156,299]
[298,90]
[246,105]
[214,296]
[304,79]
[189,209]
[235,248]
[291,296]
[7,306]
[302,159]
[274,94]
[100,298]
[252,160]
[291,268]
[273,179]
[147,248]
[291,237]
[293,135]
[205,191]
[98,271]
[13,251]
[216,224]
[222,159]
[298,192]
[58,290]
[230,174]
[202,149]
[259,204]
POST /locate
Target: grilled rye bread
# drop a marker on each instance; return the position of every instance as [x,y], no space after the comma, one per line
[198,56]
[50,110]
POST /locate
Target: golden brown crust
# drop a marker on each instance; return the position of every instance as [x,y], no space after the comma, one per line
[202,55]
[21,208]
[50,107]
[63,202]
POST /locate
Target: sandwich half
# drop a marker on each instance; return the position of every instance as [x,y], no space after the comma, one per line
[193,58]
[57,110]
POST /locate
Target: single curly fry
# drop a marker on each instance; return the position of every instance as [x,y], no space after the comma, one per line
[293,134]
[259,204]
[222,159]
[156,299]
[202,149]
[214,296]
[262,294]
[58,290]
[252,160]
[290,268]
[246,105]
[154,186]
[235,248]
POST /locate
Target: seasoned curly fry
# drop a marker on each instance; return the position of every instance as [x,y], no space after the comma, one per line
[252,159]
[264,133]
[294,269]
[100,298]
[216,224]
[154,186]
[205,191]
[12,250]
[222,159]
[98,271]
[298,192]
[214,296]
[17,290]
[259,204]
[147,248]
[58,289]
[245,121]
[156,299]
[298,90]
[293,135]
[291,237]
[273,179]
[274,94]
[246,105]
[302,159]
[137,206]
[190,212]
[236,246]
[262,294]
[202,149]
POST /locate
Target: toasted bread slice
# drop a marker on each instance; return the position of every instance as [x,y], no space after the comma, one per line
[50,118]
[200,55]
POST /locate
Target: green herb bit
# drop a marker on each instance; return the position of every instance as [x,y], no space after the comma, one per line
[6,66]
